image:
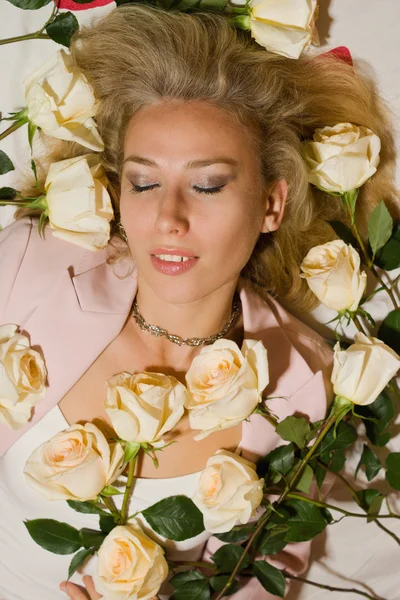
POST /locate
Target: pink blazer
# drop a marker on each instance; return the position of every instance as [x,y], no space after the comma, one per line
[72,305]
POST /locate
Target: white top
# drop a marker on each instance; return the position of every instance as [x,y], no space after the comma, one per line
[27,571]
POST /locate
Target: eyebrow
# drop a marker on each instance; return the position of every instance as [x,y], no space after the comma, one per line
[193,164]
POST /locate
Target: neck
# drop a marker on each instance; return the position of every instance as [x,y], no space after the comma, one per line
[199,318]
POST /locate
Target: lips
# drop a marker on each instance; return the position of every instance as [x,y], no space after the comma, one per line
[172,267]
[174,252]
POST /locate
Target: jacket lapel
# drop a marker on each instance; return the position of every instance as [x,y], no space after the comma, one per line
[72,325]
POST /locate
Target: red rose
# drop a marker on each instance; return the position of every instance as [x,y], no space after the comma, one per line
[71,5]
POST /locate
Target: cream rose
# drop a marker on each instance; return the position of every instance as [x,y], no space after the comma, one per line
[22,377]
[285,27]
[130,565]
[362,371]
[225,384]
[79,206]
[145,406]
[60,101]
[341,158]
[229,491]
[333,273]
[75,464]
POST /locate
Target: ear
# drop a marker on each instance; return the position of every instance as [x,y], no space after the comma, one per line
[275,205]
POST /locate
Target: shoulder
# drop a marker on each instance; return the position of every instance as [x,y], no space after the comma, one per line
[30,263]
[314,349]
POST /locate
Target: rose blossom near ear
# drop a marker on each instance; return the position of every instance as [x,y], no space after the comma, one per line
[22,377]
[285,27]
[361,372]
[130,565]
[75,464]
[145,406]
[60,101]
[225,384]
[332,271]
[79,206]
[229,491]
[341,158]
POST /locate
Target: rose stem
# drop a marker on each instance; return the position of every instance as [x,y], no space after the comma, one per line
[324,430]
[37,35]
[111,506]
[358,324]
[12,128]
[368,259]
[129,482]
[295,496]
[357,500]
[329,587]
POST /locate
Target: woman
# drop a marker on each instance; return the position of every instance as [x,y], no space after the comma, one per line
[202,132]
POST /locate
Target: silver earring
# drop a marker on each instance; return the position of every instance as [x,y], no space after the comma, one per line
[122,232]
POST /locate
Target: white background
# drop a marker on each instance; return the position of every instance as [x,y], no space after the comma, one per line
[350,553]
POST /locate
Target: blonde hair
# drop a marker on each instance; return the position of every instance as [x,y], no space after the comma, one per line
[138,56]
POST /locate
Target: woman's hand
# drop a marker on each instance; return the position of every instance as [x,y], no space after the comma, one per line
[78,592]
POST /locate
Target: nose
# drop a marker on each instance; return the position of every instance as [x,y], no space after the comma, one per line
[172,215]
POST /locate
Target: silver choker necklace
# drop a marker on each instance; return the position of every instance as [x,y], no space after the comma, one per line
[176,339]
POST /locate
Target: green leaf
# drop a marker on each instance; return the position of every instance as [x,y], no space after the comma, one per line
[227,557]
[78,560]
[110,490]
[371,463]
[271,542]
[393,470]
[271,579]
[380,227]
[181,579]
[5,163]
[218,582]
[86,507]
[63,28]
[294,429]
[237,534]
[29,4]
[7,193]
[343,233]
[371,500]
[281,459]
[345,436]
[107,523]
[314,429]
[176,518]
[54,536]
[193,590]
[306,521]
[91,538]
[131,450]
[305,480]
[382,411]
[388,257]
[389,331]
[320,475]
[337,460]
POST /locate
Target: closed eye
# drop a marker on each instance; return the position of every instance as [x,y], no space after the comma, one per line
[137,189]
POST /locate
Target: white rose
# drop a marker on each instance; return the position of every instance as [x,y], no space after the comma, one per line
[60,101]
[130,565]
[362,371]
[225,384]
[285,27]
[341,158]
[22,377]
[333,273]
[144,406]
[75,464]
[229,491]
[79,206]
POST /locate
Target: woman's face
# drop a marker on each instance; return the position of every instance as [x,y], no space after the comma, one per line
[192,200]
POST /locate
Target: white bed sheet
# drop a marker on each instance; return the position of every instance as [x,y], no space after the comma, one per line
[350,553]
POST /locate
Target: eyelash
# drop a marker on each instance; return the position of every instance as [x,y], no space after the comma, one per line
[137,189]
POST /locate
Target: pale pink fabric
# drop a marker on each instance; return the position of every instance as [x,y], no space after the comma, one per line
[72,305]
